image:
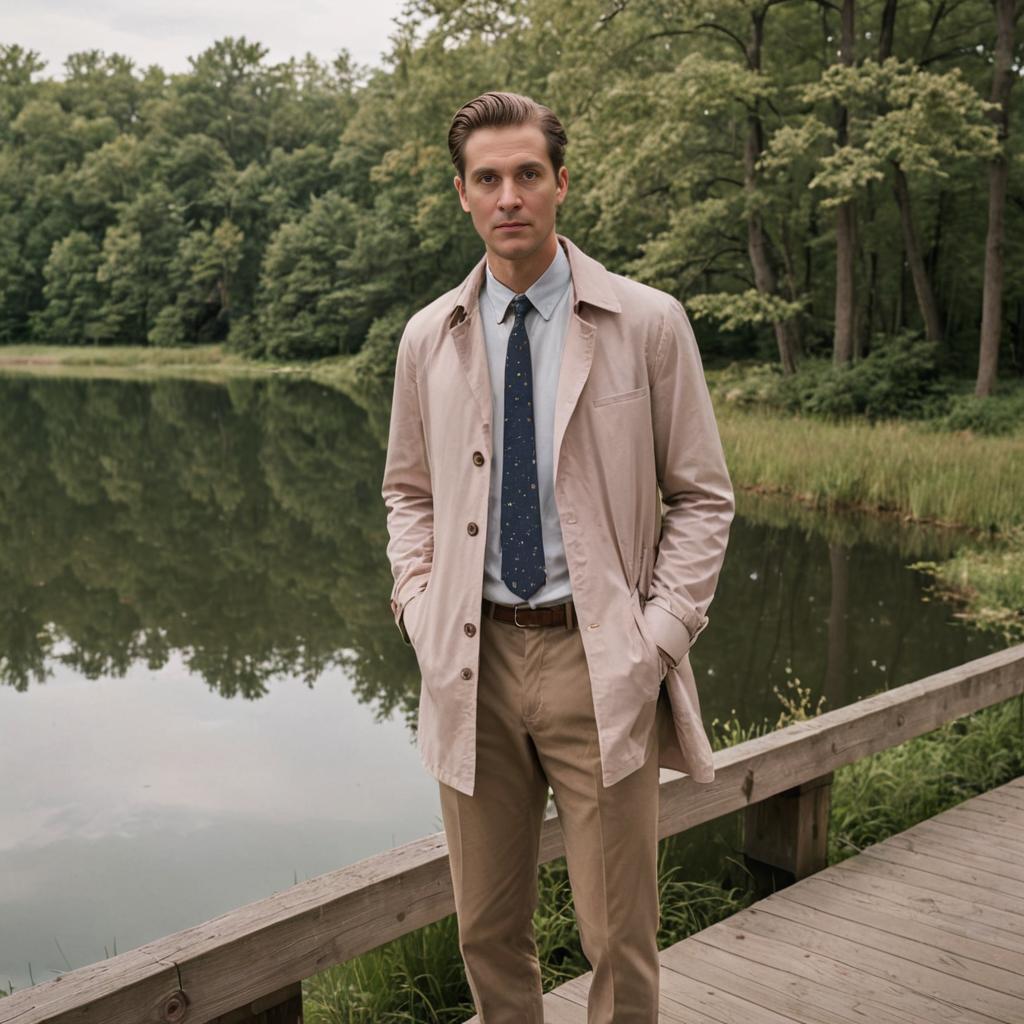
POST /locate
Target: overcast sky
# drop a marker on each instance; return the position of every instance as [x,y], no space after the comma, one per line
[168,32]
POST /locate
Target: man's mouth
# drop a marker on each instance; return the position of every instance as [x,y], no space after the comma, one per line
[511,225]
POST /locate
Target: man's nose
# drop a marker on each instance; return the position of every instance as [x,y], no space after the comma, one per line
[509,198]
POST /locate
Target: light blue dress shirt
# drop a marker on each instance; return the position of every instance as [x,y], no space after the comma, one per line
[546,324]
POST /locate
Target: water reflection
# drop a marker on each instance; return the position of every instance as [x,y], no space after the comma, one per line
[239,525]
[242,526]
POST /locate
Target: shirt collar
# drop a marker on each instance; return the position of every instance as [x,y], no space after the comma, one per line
[544,293]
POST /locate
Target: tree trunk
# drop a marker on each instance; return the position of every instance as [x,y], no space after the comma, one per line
[922,285]
[992,297]
[846,223]
[757,248]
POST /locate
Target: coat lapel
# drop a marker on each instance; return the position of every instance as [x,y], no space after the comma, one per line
[467,333]
[577,358]
[591,285]
[468,337]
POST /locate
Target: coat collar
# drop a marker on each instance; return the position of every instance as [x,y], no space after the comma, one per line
[591,283]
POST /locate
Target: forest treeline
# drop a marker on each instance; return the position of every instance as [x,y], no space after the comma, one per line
[809,178]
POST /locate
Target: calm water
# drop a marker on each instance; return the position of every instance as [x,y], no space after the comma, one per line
[203,695]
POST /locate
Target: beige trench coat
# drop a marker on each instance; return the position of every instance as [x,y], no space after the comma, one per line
[632,413]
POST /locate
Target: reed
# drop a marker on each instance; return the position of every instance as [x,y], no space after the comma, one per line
[946,478]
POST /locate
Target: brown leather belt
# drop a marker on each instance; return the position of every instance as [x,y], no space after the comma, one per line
[563,614]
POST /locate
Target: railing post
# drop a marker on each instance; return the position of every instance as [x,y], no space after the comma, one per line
[785,837]
[281,1007]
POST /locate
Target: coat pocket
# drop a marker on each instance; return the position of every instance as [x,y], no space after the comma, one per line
[621,396]
[413,621]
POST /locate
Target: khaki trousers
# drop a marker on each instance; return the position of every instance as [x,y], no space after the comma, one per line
[535,728]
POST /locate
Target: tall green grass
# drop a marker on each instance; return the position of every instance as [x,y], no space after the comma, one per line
[946,478]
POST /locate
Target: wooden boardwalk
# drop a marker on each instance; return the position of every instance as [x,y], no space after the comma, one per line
[925,927]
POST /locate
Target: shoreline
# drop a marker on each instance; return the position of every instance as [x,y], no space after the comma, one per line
[198,362]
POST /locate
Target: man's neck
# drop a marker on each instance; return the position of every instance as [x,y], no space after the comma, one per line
[520,274]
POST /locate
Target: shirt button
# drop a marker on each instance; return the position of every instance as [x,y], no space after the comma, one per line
[472,529]
[478,458]
[467,673]
[470,629]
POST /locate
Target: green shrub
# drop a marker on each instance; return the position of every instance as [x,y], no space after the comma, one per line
[997,414]
[900,378]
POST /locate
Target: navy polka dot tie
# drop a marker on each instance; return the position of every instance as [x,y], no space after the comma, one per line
[522,546]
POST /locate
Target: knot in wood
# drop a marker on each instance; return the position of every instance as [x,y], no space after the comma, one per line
[175,1007]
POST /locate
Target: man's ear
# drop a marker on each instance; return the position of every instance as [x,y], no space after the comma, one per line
[563,182]
[460,188]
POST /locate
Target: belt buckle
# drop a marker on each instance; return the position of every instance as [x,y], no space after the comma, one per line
[522,625]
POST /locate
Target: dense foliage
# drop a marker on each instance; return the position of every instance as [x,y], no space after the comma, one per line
[739,157]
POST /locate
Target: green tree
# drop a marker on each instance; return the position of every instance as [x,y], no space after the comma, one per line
[72,293]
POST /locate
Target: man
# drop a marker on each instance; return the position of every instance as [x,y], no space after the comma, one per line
[537,408]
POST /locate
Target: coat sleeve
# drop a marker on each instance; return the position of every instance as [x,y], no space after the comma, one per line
[406,489]
[695,488]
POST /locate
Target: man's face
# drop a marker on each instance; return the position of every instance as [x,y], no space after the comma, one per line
[510,190]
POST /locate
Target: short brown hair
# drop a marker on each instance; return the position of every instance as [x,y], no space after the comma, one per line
[501,109]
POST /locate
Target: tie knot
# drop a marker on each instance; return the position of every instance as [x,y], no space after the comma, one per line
[520,305]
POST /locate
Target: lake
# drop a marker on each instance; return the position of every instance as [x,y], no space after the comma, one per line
[204,697]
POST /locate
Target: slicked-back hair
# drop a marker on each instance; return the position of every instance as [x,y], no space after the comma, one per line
[499,110]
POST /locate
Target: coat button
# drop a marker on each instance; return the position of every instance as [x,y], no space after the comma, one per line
[478,458]
[467,673]
[470,629]
[472,529]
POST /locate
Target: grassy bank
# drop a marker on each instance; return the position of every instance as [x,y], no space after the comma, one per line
[988,584]
[946,478]
[199,362]
[420,977]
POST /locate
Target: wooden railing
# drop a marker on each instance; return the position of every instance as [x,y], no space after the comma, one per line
[247,965]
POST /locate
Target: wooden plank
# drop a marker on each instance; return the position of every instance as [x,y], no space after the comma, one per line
[990,824]
[820,895]
[1009,799]
[969,850]
[998,806]
[996,845]
[716,1002]
[560,1009]
[677,1002]
[926,860]
[1012,787]
[1011,796]
[792,988]
[897,961]
[998,907]
[946,912]
[889,936]
[134,986]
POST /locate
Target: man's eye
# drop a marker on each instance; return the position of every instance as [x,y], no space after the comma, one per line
[532,174]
